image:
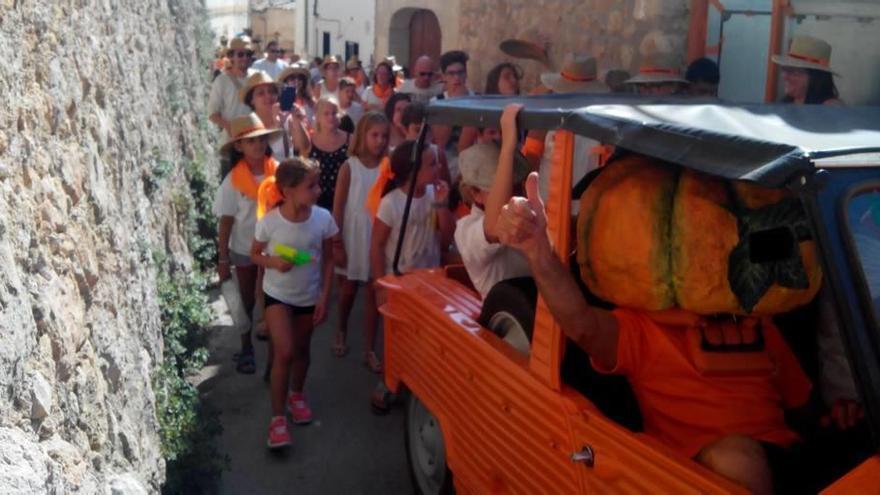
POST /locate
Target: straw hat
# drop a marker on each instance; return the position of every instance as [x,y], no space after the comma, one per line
[329,59]
[246,126]
[526,49]
[658,68]
[240,43]
[579,74]
[806,52]
[256,79]
[294,69]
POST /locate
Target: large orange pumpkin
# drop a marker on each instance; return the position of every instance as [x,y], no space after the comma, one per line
[653,236]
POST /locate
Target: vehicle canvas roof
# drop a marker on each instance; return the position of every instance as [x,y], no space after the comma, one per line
[767,144]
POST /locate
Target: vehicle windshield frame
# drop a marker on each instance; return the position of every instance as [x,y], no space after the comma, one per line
[870,312]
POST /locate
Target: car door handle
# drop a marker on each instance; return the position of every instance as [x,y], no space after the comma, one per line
[585,456]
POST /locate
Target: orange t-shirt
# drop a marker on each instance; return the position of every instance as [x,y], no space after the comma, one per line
[688,410]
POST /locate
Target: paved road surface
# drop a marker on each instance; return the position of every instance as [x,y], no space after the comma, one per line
[347,450]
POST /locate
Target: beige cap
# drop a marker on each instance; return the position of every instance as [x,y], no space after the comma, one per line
[479,162]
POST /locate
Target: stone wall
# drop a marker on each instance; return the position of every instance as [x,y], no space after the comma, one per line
[102,101]
[617,32]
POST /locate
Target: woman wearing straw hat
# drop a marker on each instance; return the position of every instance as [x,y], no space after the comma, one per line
[579,74]
[260,93]
[224,103]
[298,77]
[807,77]
[376,95]
[659,75]
[329,86]
[236,205]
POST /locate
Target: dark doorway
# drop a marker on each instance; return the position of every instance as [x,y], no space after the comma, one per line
[424,36]
[326,43]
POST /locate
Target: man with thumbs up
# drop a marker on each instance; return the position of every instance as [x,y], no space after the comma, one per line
[733,425]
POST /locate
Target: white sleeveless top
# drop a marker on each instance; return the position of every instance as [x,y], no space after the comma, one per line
[357,226]
[326,93]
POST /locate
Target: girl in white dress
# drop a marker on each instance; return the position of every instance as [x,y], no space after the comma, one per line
[352,255]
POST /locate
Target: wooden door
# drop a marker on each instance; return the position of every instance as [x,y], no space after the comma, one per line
[424,36]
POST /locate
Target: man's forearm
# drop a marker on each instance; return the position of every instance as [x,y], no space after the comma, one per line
[593,329]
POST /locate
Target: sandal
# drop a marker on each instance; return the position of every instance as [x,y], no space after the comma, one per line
[339,348]
[381,400]
[245,363]
[372,361]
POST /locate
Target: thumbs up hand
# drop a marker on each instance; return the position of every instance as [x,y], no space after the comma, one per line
[523,221]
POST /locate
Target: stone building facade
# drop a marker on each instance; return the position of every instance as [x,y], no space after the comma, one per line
[617,32]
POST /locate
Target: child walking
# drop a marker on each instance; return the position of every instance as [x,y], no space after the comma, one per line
[236,205]
[430,225]
[351,252]
[296,284]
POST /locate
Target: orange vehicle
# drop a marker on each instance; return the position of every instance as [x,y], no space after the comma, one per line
[496,401]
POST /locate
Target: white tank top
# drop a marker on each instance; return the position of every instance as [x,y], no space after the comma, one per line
[357,226]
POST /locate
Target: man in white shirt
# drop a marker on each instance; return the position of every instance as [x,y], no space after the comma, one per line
[422,87]
[224,103]
[271,64]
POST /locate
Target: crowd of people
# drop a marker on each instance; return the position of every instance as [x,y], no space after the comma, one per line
[316,173]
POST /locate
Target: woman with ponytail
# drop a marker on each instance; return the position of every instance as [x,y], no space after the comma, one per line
[236,204]
[293,241]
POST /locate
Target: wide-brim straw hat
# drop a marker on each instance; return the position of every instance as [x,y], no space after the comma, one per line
[258,78]
[658,68]
[240,43]
[246,126]
[579,74]
[329,59]
[294,69]
[525,49]
[806,52]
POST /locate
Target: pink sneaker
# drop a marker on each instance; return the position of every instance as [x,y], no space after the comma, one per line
[299,410]
[278,435]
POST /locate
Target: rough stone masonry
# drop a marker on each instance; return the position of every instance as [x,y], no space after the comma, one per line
[97,96]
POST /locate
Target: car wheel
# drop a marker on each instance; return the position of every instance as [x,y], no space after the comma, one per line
[425,450]
[509,311]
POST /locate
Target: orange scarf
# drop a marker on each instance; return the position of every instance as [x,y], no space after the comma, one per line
[374,197]
[268,196]
[383,94]
[244,181]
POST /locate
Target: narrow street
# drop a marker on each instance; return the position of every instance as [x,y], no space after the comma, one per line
[347,449]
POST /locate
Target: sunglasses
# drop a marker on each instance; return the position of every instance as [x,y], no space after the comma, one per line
[276,51]
[426,74]
[240,54]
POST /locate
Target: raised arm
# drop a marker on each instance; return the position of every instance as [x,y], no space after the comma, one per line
[298,133]
[502,187]
[523,225]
